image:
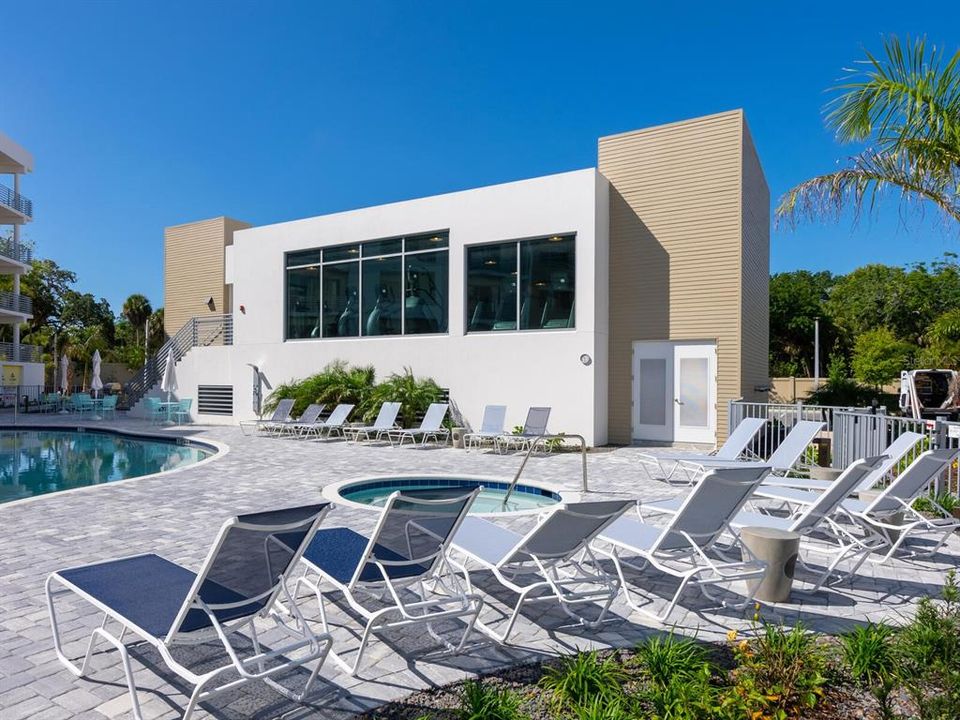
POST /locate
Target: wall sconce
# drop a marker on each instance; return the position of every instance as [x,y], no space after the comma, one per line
[211,305]
[243,310]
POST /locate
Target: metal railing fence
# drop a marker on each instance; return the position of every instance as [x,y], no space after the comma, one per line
[15,200]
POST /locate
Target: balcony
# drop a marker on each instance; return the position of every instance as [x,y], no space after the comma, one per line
[28,353]
[10,302]
[14,207]
[18,253]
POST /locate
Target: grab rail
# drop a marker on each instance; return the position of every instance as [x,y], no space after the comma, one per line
[533,446]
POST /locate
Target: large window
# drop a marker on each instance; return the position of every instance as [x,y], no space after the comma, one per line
[525,285]
[382,287]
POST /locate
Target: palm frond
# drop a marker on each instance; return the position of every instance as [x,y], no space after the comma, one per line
[859,186]
[911,93]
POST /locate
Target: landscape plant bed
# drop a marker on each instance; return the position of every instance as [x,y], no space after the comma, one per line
[873,672]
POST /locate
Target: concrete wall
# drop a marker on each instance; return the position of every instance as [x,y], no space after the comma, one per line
[685,243]
[518,369]
[193,270]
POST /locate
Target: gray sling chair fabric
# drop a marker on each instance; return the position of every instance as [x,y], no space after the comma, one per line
[682,549]
[491,427]
[817,524]
[381,426]
[687,466]
[332,425]
[553,561]
[534,428]
[405,556]
[903,446]
[281,414]
[308,418]
[431,427]
[165,604]
[891,514]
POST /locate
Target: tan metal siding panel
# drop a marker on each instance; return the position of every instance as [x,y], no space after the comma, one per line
[675,248]
[193,269]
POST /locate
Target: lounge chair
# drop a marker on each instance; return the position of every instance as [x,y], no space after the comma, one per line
[281,414]
[405,554]
[682,549]
[900,448]
[430,427]
[332,425]
[690,464]
[544,564]
[308,418]
[491,427]
[782,461]
[891,513]
[381,426]
[817,524]
[534,431]
[165,604]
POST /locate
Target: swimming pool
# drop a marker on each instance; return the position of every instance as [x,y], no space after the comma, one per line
[374,492]
[41,461]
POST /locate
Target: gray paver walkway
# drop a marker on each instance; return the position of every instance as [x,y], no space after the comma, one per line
[178,514]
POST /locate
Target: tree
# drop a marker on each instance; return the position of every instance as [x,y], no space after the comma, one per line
[942,349]
[136,309]
[796,298]
[906,108]
[878,357]
[82,311]
[158,335]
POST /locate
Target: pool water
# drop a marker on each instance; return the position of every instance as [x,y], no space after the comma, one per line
[37,462]
[490,499]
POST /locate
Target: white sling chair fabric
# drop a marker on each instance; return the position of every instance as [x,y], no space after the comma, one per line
[381,426]
[491,427]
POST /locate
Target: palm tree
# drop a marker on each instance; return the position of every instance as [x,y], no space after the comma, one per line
[906,108]
[136,309]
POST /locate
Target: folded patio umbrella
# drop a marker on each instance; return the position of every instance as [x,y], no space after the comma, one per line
[96,384]
[169,382]
[64,367]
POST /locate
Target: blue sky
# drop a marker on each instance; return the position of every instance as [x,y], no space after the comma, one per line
[142,115]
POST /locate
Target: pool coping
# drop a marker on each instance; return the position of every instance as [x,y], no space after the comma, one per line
[219,449]
[331,492]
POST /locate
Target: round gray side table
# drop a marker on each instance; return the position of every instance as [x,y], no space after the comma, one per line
[456,436]
[825,473]
[778,549]
[868,496]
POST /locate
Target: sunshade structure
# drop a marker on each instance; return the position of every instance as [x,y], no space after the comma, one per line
[64,382]
[169,382]
[96,384]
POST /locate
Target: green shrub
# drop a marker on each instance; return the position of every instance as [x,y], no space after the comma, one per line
[483,702]
[601,708]
[689,697]
[336,383]
[414,394]
[583,677]
[665,657]
[868,653]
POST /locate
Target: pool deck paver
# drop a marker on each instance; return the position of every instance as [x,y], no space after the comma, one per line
[178,514]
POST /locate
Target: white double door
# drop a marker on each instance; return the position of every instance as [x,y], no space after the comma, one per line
[675,392]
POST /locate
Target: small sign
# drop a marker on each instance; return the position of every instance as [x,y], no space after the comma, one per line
[953,431]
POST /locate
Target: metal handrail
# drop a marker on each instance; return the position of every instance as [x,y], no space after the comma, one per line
[28,353]
[15,251]
[16,302]
[13,199]
[533,446]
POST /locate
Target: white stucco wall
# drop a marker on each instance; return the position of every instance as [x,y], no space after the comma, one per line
[518,369]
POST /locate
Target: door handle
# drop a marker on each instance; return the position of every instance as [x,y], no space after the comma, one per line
[677,401]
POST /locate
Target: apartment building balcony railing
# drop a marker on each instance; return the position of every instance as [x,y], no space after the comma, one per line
[16,303]
[27,353]
[16,201]
[19,252]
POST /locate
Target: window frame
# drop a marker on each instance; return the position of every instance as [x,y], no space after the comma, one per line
[359,260]
[516,243]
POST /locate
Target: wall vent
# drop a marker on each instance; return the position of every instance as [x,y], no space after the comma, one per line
[215,400]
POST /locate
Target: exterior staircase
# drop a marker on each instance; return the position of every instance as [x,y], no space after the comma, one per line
[199,331]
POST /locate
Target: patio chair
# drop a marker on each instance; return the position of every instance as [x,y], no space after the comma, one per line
[896,451]
[109,406]
[82,403]
[406,553]
[430,427]
[782,461]
[734,448]
[182,411]
[165,605]
[683,548]
[49,402]
[533,432]
[333,424]
[817,524]
[553,561]
[281,414]
[891,514]
[491,427]
[154,409]
[381,426]
[308,418]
